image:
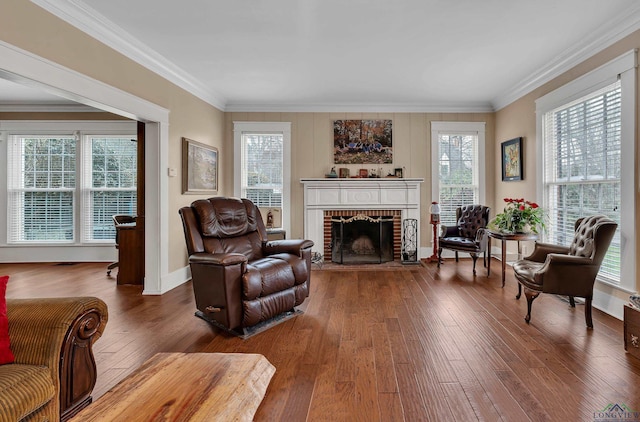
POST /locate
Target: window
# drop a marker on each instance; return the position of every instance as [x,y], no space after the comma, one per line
[262,168]
[457,151]
[262,171]
[585,139]
[582,167]
[64,189]
[42,181]
[111,176]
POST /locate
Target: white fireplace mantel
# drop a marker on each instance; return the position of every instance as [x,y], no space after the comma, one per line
[328,194]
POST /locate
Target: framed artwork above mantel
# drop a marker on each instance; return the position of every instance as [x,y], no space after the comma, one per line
[363,141]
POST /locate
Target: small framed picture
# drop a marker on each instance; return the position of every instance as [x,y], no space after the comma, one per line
[343,172]
[199,168]
[512,160]
[363,173]
[397,172]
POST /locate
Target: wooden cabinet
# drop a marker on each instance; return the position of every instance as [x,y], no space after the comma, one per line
[632,331]
[130,254]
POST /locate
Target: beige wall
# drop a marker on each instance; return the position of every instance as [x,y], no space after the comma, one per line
[312,151]
[27,26]
[519,119]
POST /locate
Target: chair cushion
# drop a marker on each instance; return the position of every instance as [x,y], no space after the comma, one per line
[525,272]
[472,217]
[24,389]
[267,276]
[460,243]
[226,217]
[582,244]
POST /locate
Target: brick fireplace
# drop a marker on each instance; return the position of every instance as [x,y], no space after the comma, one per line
[393,215]
[327,199]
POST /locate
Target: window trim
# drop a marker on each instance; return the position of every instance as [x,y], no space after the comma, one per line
[284,128]
[623,67]
[475,128]
[78,129]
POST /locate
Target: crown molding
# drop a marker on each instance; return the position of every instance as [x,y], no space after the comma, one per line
[48,108]
[89,21]
[607,35]
[362,108]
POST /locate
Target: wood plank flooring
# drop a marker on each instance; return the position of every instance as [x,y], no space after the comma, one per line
[389,344]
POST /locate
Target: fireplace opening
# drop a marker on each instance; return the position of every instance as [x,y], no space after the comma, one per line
[361,239]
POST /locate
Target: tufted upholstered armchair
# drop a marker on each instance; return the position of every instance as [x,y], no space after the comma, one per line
[239,278]
[468,235]
[567,270]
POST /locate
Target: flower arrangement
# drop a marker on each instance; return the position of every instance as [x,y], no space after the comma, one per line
[519,216]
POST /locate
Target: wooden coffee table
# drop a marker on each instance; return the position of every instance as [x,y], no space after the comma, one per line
[187,387]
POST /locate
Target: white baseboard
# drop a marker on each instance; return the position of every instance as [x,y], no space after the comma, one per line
[171,281]
[80,253]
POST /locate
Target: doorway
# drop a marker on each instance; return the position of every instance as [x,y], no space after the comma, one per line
[25,68]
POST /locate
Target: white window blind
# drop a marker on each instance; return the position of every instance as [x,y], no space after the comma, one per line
[458,173]
[582,168]
[109,184]
[41,185]
[262,168]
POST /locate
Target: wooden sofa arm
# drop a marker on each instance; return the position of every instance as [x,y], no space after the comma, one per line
[59,333]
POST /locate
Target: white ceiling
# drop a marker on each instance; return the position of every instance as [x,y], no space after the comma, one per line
[333,55]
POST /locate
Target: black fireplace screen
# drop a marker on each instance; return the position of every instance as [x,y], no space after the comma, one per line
[361,239]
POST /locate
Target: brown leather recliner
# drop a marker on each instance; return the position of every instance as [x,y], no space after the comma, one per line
[468,235]
[239,278]
[567,270]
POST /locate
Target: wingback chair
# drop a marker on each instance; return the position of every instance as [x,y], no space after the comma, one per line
[468,235]
[567,270]
[239,278]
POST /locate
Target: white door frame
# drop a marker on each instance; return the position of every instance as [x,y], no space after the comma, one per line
[29,69]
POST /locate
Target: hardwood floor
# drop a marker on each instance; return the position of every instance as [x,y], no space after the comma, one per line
[393,344]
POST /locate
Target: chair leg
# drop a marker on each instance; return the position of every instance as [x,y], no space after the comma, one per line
[530,295]
[475,258]
[587,312]
[572,302]
[439,256]
[111,267]
[456,256]
[519,291]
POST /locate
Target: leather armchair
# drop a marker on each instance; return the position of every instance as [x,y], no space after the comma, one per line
[567,270]
[239,278]
[469,235]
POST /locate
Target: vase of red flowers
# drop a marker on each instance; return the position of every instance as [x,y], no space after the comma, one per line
[519,216]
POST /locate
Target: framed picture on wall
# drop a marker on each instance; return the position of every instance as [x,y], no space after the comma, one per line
[199,168]
[368,141]
[512,160]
